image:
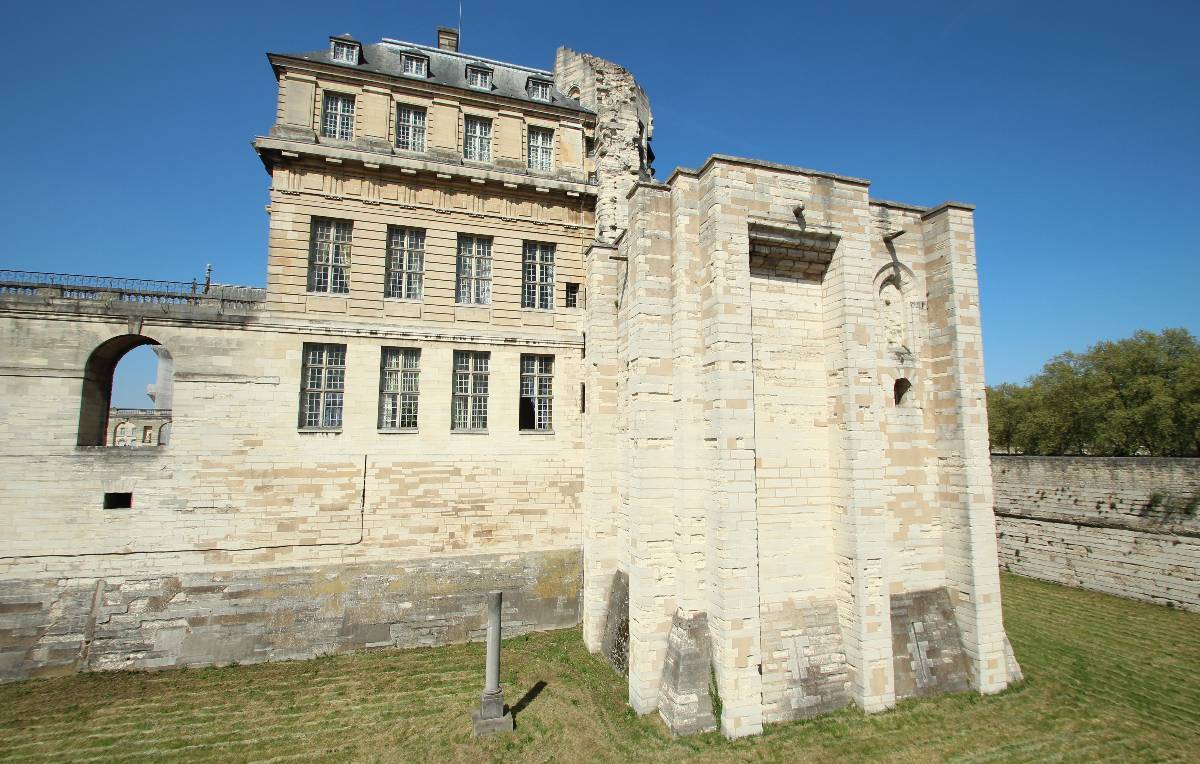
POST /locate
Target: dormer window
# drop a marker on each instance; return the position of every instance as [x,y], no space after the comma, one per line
[414,66]
[343,51]
[539,90]
[480,78]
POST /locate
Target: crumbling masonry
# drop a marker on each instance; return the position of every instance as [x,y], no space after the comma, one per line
[767,462]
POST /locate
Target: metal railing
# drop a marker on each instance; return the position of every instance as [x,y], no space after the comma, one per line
[156,413]
[77,286]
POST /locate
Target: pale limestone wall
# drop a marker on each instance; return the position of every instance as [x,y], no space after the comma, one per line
[374,200]
[764,314]
[302,90]
[1125,526]
[240,489]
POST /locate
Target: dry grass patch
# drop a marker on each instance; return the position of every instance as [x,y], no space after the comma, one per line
[1107,679]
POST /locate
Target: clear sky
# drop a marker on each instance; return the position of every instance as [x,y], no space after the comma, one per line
[1075,128]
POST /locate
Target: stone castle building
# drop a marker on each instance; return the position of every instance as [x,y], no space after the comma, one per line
[736,417]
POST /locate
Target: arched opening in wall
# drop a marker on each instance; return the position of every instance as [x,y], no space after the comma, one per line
[900,391]
[130,377]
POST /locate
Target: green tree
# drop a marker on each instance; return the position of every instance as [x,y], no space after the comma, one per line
[1136,396]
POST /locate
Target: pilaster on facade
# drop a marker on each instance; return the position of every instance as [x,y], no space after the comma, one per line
[601,475]
[728,381]
[859,503]
[646,316]
[965,480]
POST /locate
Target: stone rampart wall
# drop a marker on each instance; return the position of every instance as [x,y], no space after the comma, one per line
[1126,526]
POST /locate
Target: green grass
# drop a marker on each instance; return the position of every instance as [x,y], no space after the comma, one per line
[1106,679]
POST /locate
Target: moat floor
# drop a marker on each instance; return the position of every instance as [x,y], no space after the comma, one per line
[1106,679]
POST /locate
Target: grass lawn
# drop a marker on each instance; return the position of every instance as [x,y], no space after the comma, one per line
[1106,678]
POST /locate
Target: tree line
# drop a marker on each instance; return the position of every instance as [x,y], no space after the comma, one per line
[1138,396]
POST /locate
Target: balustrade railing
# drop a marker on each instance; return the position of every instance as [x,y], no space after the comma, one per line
[76,286]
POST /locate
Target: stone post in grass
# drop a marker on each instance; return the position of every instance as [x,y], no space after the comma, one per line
[492,716]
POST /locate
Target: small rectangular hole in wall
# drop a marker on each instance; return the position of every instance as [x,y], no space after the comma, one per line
[118,500]
[582,397]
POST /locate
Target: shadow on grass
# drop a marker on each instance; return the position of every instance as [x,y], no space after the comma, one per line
[527,698]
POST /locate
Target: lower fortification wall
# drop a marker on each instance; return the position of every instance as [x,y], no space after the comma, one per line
[1125,526]
[63,625]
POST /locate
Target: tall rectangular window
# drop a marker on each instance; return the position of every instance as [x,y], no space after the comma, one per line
[322,385]
[474,271]
[477,142]
[537,276]
[537,392]
[329,256]
[572,296]
[338,121]
[399,385]
[410,128]
[405,263]
[541,149]
[469,411]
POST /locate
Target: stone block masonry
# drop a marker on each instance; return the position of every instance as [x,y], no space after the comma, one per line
[64,625]
[1125,526]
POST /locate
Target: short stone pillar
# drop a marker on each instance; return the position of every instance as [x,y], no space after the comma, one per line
[492,716]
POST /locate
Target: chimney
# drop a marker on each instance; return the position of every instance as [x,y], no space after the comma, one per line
[447,39]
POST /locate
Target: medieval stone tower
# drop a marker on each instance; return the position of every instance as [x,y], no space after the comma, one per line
[787,463]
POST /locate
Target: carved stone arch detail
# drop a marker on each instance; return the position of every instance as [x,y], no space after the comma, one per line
[894,286]
[96,395]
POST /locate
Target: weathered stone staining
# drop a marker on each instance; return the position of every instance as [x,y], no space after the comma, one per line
[493,716]
[1122,525]
[767,465]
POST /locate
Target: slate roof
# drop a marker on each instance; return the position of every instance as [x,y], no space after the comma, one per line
[445,68]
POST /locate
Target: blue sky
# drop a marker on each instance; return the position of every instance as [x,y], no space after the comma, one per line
[1073,126]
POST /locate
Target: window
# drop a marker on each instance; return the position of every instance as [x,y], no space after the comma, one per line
[399,384]
[541,149]
[346,52]
[339,117]
[329,256]
[537,376]
[147,434]
[410,128]
[477,144]
[414,66]
[322,382]
[474,271]
[479,78]
[537,276]
[405,263]
[539,90]
[900,390]
[572,295]
[470,390]
[118,500]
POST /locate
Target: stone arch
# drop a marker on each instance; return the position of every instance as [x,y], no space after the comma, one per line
[893,289]
[96,394]
[120,434]
[164,434]
[900,391]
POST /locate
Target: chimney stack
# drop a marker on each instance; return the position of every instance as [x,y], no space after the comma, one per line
[447,39]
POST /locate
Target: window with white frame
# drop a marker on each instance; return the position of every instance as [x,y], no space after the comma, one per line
[329,256]
[410,128]
[479,78]
[477,139]
[539,90]
[469,410]
[541,149]
[399,386]
[338,121]
[405,263]
[473,282]
[414,66]
[322,386]
[537,276]
[345,52]
[537,392]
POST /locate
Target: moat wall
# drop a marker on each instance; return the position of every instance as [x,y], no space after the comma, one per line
[1125,526]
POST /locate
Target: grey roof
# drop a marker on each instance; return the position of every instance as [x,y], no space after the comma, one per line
[446,68]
